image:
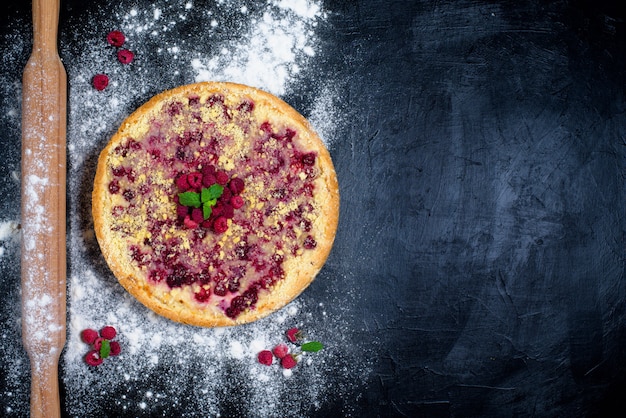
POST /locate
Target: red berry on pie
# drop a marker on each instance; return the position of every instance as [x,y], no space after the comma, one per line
[195,180]
[236,202]
[97,343]
[221,177]
[236,185]
[220,225]
[182,183]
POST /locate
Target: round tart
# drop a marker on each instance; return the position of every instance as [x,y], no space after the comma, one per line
[215,204]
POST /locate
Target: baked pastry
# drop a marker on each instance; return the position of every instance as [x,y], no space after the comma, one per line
[215,204]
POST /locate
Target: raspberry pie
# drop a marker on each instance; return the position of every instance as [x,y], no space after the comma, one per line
[215,204]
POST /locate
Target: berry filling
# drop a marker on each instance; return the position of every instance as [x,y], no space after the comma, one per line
[212,202]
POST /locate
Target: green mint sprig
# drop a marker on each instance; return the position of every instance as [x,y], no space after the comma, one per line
[207,198]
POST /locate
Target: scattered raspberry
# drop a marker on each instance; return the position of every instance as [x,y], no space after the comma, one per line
[93,358]
[116,349]
[116,38]
[294,335]
[288,362]
[108,332]
[101,344]
[281,350]
[100,81]
[89,335]
[125,56]
[97,344]
[265,357]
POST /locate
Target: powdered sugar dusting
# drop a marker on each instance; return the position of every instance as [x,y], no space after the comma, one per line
[166,368]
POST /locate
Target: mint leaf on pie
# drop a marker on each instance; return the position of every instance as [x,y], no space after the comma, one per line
[207,209]
[212,192]
[190,199]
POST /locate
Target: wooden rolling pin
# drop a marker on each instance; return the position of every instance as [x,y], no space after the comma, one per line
[43,248]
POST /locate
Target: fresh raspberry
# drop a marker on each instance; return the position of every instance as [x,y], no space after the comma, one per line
[208,169]
[182,183]
[294,335]
[93,358]
[208,179]
[195,180]
[281,350]
[288,362]
[220,225]
[236,202]
[125,56]
[108,332]
[227,211]
[189,223]
[97,343]
[221,177]
[265,357]
[116,38]
[218,209]
[115,348]
[182,211]
[226,194]
[100,81]
[236,185]
[197,216]
[89,335]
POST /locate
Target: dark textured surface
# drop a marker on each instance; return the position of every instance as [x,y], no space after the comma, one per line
[482,177]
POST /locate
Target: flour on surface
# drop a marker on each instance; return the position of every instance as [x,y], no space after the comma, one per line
[268,45]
